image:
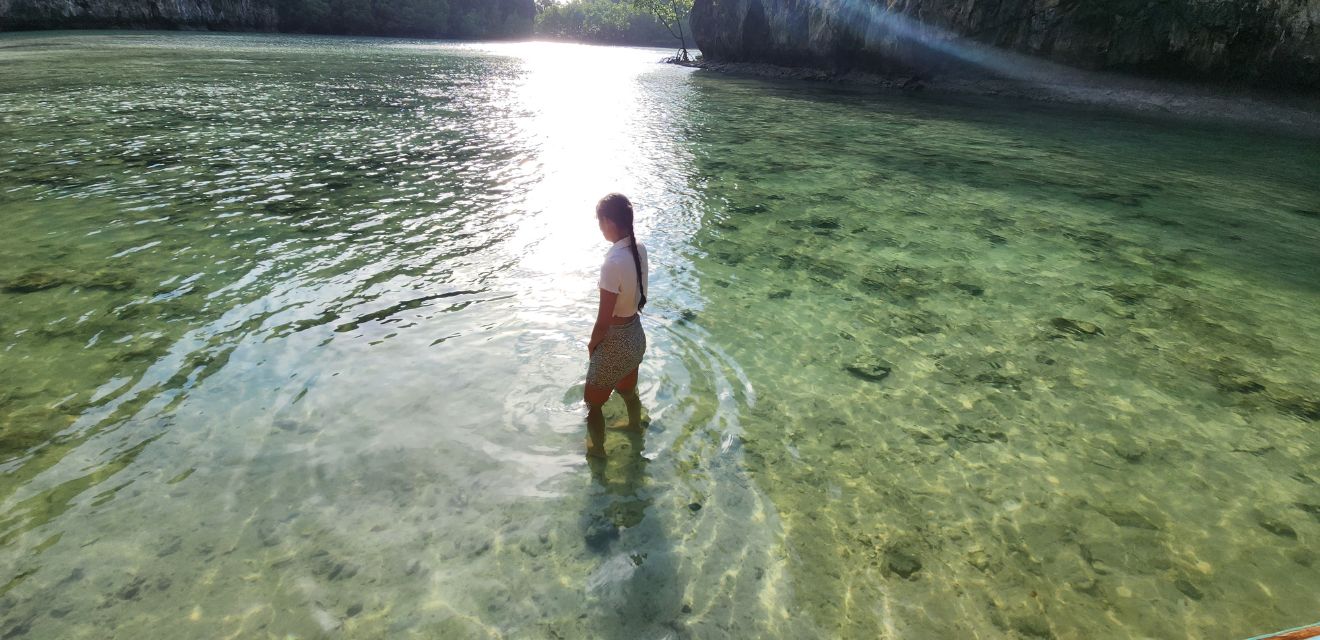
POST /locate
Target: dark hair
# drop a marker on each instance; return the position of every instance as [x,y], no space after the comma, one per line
[616,208]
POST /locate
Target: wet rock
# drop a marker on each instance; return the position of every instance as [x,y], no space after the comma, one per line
[869,368]
[109,281]
[1088,585]
[694,507]
[898,282]
[979,559]
[1124,294]
[268,533]
[1313,509]
[823,223]
[1125,199]
[1079,328]
[1033,626]
[141,348]
[353,610]
[35,281]
[901,563]
[999,380]
[326,566]
[731,258]
[688,315]
[17,629]
[964,434]
[1188,589]
[1254,444]
[169,546]
[969,289]
[163,583]
[1276,527]
[1234,382]
[780,294]
[687,608]
[1130,519]
[1130,449]
[132,590]
[1304,408]
[600,533]
[922,323]
[752,209]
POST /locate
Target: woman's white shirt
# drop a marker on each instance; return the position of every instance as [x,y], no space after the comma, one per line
[619,275]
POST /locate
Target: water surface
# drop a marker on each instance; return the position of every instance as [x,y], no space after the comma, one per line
[293,331]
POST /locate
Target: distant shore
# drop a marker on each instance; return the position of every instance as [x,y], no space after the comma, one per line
[1292,113]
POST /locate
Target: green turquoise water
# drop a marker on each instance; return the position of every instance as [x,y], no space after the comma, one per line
[292,333]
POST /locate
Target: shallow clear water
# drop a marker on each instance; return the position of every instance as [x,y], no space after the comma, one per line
[293,331]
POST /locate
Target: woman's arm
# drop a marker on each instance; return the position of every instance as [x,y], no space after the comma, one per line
[603,316]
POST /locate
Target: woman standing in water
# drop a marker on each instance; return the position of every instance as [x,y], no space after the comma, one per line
[617,341]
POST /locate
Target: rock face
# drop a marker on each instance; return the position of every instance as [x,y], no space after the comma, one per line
[412,18]
[1272,43]
[223,15]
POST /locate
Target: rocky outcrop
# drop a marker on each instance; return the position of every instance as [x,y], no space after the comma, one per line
[1273,43]
[414,18]
[224,15]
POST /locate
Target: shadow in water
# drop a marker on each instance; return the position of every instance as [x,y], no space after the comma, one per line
[636,583]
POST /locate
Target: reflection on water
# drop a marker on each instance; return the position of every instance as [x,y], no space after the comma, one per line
[293,333]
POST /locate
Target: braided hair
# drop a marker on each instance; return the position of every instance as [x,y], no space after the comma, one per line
[616,208]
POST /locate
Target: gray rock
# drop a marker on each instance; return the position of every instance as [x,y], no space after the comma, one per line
[869,368]
[1277,527]
[35,281]
[1079,328]
[902,563]
[896,38]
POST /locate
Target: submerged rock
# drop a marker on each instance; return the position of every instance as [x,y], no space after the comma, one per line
[869,369]
[109,280]
[1188,589]
[901,563]
[1305,408]
[34,281]
[1079,328]
[1277,527]
[969,289]
[600,533]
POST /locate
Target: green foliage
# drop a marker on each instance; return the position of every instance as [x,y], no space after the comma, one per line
[672,14]
[610,21]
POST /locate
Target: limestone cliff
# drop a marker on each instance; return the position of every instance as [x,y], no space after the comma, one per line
[157,14]
[422,18]
[1272,43]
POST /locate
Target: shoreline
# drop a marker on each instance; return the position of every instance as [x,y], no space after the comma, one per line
[1134,95]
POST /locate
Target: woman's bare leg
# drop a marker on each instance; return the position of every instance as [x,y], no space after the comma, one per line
[627,388]
[595,397]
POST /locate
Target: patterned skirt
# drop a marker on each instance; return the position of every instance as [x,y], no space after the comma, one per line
[617,355]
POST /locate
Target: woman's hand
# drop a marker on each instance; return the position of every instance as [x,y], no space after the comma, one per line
[603,315]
